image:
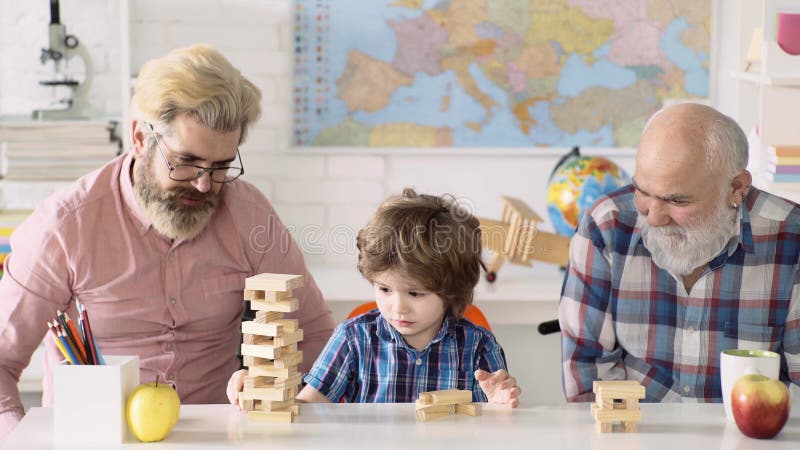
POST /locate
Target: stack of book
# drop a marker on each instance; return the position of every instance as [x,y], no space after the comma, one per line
[55,150]
[783,167]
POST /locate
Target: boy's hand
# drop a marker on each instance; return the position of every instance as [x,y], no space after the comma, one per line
[499,387]
[235,385]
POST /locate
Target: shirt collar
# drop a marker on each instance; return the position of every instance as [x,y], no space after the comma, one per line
[386,332]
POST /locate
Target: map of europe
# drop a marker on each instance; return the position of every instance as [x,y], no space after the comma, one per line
[492,73]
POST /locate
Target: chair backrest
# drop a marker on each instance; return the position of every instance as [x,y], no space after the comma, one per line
[472,313]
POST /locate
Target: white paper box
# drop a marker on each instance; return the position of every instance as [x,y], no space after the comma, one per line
[89,401]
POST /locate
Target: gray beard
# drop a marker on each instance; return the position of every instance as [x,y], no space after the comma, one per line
[681,250]
[162,207]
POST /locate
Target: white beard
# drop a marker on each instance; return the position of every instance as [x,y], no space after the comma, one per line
[680,250]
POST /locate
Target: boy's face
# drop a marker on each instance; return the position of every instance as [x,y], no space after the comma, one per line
[415,313]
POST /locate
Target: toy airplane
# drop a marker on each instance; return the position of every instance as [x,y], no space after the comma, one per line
[515,238]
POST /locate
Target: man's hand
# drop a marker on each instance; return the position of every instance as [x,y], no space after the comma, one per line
[499,387]
[235,386]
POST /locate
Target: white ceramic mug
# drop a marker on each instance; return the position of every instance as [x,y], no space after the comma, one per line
[736,363]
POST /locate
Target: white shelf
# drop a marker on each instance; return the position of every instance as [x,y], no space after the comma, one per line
[345,284]
[520,296]
[777,80]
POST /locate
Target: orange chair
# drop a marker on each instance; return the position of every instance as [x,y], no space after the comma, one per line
[472,313]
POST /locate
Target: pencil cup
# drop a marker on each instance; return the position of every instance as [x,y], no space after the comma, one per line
[89,401]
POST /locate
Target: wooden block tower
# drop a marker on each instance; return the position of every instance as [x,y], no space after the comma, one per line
[617,401]
[270,350]
[437,404]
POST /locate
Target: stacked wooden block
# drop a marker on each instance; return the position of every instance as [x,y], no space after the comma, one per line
[270,350]
[617,401]
[437,404]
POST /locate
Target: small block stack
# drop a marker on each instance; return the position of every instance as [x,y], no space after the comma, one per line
[617,401]
[437,404]
[270,349]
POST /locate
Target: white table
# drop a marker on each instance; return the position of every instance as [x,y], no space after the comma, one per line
[392,426]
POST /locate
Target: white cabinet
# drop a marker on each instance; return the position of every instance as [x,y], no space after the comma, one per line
[768,94]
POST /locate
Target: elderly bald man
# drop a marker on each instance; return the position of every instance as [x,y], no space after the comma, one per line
[687,261]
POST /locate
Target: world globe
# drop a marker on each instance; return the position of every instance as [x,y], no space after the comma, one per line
[576,184]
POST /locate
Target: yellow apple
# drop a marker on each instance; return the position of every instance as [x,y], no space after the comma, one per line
[152,411]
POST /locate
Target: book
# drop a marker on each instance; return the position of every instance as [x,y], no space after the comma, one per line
[784,150]
[55,150]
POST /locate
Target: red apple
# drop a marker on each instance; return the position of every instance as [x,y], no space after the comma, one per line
[760,405]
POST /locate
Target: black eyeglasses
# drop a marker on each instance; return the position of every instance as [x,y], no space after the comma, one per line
[189,172]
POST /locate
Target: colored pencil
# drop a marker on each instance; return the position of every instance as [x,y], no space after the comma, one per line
[70,354]
[58,342]
[82,328]
[76,337]
[64,329]
[90,337]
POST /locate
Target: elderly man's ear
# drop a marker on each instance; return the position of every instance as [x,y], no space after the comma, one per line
[740,186]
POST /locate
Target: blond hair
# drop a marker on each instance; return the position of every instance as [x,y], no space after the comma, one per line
[428,239]
[198,81]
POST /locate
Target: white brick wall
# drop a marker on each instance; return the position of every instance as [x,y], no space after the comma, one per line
[315,191]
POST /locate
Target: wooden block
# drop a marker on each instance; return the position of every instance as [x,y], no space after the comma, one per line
[249,339]
[605,403]
[285,405]
[250,295]
[617,415]
[289,382]
[282,340]
[269,296]
[269,316]
[618,389]
[289,338]
[604,427]
[261,329]
[597,383]
[630,427]
[449,409]
[425,416]
[246,405]
[630,404]
[294,408]
[287,324]
[260,340]
[271,416]
[269,370]
[273,282]
[449,396]
[251,382]
[469,409]
[621,392]
[261,350]
[288,360]
[425,398]
[287,305]
[272,394]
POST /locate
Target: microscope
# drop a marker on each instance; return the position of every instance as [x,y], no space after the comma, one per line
[68,92]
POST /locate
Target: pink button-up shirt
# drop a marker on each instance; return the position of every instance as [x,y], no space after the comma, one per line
[177,305]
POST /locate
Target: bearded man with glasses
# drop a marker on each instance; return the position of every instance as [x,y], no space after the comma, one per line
[157,243]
